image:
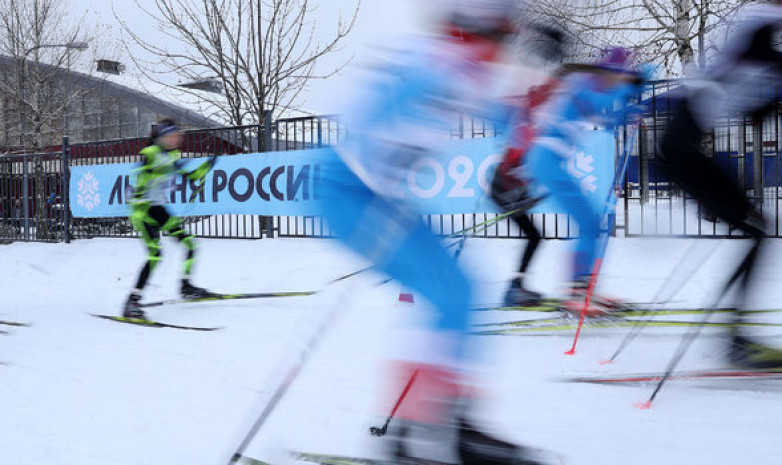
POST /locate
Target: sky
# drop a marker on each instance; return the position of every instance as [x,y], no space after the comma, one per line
[379,22]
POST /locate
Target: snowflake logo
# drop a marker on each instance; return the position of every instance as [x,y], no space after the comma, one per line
[88,196]
[580,166]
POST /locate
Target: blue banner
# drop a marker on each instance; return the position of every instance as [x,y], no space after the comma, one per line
[286,183]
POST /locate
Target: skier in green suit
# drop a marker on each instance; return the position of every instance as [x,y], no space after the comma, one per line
[155,177]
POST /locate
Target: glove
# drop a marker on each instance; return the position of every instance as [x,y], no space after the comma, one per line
[644,73]
[200,172]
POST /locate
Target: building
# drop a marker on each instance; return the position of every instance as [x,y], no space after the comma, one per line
[106,104]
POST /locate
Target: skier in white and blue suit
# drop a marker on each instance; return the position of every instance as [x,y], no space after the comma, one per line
[406,114]
[598,95]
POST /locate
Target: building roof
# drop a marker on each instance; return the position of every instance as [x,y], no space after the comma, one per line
[191,107]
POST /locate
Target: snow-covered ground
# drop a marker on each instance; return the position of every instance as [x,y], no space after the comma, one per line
[80,390]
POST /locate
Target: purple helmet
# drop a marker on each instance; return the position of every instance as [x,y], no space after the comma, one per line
[616,59]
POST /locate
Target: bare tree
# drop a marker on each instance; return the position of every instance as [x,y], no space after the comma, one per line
[259,54]
[39,44]
[677,34]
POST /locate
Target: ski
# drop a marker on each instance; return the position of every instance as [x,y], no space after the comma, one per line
[632,309]
[530,322]
[544,325]
[640,379]
[616,316]
[152,323]
[215,297]
[13,323]
[545,305]
[326,459]
[610,315]
[322,459]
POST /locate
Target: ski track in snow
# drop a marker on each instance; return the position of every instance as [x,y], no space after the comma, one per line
[81,390]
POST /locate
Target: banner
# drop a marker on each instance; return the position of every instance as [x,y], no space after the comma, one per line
[286,183]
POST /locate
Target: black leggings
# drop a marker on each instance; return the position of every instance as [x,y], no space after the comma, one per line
[158,220]
[682,159]
[533,239]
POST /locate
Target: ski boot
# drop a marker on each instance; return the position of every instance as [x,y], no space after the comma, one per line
[460,443]
[189,291]
[576,301]
[745,353]
[478,448]
[519,296]
[431,427]
[132,309]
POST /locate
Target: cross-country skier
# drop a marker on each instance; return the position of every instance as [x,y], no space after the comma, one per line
[155,176]
[406,115]
[510,188]
[734,83]
[596,95]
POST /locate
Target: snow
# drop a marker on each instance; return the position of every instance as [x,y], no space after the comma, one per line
[81,390]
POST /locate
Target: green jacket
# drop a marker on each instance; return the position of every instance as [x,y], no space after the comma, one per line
[155,176]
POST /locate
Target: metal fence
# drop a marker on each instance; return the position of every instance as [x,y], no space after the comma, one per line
[280,135]
[33,188]
[32,206]
[745,147]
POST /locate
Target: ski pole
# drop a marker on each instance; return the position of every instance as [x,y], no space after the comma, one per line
[610,206]
[476,228]
[609,211]
[465,234]
[660,297]
[290,377]
[202,183]
[482,226]
[350,275]
[687,340]
[381,431]
[693,333]
[590,290]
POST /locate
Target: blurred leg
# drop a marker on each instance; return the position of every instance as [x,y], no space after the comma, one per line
[548,170]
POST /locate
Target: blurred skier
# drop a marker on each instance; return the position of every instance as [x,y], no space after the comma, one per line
[408,115]
[590,94]
[161,164]
[510,186]
[511,192]
[749,63]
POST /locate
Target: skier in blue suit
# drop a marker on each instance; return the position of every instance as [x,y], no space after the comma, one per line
[407,114]
[597,96]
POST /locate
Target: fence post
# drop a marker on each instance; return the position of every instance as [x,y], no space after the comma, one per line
[268,221]
[267,131]
[757,163]
[25,198]
[742,152]
[65,186]
[643,167]
[320,134]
